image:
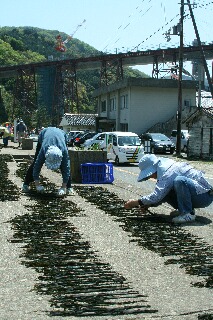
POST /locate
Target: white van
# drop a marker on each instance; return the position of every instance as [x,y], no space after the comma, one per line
[124,147]
[121,147]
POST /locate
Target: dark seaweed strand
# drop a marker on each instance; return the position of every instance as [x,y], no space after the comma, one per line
[156,234]
[69,270]
[8,190]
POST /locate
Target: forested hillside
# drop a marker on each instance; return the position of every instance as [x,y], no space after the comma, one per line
[42,42]
[25,45]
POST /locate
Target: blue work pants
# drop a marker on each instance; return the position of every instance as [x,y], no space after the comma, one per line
[184,197]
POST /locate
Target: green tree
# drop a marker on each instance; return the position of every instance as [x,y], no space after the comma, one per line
[41,118]
[6,105]
[24,45]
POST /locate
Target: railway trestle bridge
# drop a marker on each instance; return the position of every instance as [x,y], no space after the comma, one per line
[55,83]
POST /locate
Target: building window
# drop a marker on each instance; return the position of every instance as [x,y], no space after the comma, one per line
[124,101]
[103,106]
[112,104]
[187,103]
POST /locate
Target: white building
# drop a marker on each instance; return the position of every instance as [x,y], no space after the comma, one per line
[137,104]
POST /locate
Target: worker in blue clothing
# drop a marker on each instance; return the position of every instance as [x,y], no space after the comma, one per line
[21,130]
[178,184]
[52,151]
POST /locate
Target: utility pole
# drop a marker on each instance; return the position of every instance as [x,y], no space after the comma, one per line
[201,48]
[179,112]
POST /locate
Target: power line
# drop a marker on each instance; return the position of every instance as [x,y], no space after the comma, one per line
[142,9]
[161,28]
[167,23]
[126,24]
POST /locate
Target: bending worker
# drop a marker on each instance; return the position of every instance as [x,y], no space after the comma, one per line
[52,151]
[178,184]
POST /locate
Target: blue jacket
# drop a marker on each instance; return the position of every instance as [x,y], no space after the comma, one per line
[52,136]
[21,127]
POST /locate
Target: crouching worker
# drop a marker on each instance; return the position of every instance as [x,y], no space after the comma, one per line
[52,151]
[178,184]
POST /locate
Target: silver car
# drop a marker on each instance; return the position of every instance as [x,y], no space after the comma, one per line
[184,139]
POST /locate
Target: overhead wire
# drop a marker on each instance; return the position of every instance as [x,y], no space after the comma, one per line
[139,10]
[201,21]
[167,23]
[164,11]
[119,30]
[125,24]
[129,23]
[161,28]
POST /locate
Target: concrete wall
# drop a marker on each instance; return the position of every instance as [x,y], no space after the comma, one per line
[201,138]
[146,106]
[149,106]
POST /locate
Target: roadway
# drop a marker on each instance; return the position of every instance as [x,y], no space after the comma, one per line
[86,257]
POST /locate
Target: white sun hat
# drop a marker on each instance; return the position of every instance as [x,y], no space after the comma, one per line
[148,165]
[53,158]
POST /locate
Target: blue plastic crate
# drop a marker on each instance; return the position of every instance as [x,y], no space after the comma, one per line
[97,172]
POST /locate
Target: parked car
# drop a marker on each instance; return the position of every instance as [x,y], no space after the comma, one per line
[82,137]
[159,143]
[184,139]
[34,137]
[97,140]
[71,136]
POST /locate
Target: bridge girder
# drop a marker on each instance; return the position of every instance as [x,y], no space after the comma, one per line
[25,92]
[65,96]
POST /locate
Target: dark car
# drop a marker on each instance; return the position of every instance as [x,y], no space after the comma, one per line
[81,138]
[71,136]
[157,143]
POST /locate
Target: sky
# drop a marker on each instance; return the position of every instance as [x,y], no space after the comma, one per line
[114,25]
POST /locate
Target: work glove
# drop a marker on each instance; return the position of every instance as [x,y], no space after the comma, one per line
[61,192]
[70,192]
[40,189]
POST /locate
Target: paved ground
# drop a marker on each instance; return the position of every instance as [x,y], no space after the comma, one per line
[83,258]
